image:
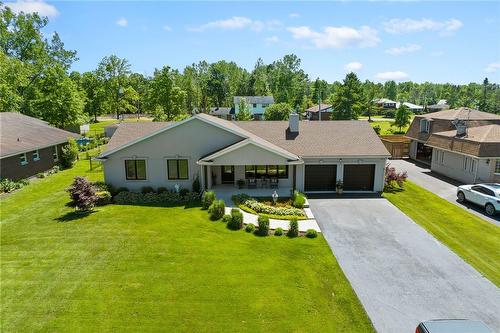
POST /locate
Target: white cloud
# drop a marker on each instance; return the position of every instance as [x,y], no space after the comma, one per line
[396,76]
[272,40]
[122,22]
[493,67]
[167,28]
[396,51]
[35,6]
[407,25]
[294,15]
[237,23]
[353,66]
[337,37]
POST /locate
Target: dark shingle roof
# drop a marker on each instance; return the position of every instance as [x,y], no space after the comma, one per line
[20,133]
[314,108]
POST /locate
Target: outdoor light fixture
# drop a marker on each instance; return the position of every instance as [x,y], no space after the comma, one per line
[275,197]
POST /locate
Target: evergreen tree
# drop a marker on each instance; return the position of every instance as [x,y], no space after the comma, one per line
[348,100]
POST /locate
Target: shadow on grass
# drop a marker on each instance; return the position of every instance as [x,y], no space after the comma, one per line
[393,189]
[74,215]
[186,205]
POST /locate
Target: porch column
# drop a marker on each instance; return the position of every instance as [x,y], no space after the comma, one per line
[202,177]
[294,175]
[209,177]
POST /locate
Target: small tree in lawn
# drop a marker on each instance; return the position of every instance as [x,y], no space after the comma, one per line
[402,117]
[69,153]
[393,177]
[244,110]
[83,194]
[278,111]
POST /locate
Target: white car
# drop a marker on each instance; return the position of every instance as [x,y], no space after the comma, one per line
[484,195]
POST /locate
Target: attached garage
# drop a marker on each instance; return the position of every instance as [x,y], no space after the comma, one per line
[320,177]
[359,177]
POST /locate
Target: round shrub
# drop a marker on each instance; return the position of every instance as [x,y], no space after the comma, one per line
[196,185]
[122,189]
[278,232]
[147,189]
[207,199]
[183,192]
[226,218]
[103,198]
[299,200]
[250,228]
[263,225]
[236,222]
[216,210]
[293,229]
[161,190]
[311,233]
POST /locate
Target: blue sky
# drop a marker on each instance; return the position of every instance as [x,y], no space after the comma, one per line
[454,42]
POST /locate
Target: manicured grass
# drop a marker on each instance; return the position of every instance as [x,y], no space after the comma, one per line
[137,268]
[98,128]
[469,236]
[386,128]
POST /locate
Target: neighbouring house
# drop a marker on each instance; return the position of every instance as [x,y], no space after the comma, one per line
[223,112]
[385,103]
[413,107]
[463,144]
[303,155]
[441,105]
[313,112]
[28,145]
[257,104]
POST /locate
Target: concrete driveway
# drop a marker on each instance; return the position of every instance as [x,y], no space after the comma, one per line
[401,274]
[445,187]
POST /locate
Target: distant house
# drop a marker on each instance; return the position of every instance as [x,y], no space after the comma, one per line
[463,144]
[413,107]
[312,113]
[28,145]
[223,112]
[257,104]
[385,103]
[441,105]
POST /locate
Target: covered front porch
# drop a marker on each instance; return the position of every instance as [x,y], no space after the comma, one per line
[226,191]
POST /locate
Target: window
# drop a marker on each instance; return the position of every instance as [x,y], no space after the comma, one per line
[36,155]
[424,125]
[439,156]
[254,105]
[265,105]
[263,171]
[135,169]
[55,154]
[23,159]
[177,169]
[497,167]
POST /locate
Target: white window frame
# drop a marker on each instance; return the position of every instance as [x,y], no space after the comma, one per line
[55,154]
[23,158]
[425,126]
[496,171]
[37,154]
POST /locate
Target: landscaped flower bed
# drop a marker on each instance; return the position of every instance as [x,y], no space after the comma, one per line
[283,209]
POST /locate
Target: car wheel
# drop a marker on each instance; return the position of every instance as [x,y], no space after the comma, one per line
[461,197]
[490,210]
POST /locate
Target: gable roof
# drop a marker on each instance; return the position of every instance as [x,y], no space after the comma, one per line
[461,113]
[324,107]
[254,99]
[20,133]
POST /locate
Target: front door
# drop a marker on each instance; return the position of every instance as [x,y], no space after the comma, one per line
[227,174]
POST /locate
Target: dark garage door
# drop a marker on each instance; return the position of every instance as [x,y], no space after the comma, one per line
[320,177]
[359,177]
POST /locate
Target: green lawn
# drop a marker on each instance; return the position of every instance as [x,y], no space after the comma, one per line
[471,237]
[136,268]
[98,128]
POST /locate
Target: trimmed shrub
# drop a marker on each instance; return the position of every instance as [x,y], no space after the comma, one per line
[234,211]
[261,208]
[147,189]
[226,218]
[250,228]
[311,233]
[183,192]
[299,200]
[161,190]
[263,225]
[132,198]
[69,154]
[101,186]
[216,210]
[122,189]
[196,185]
[236,222]
[239,199]
[103,198]
[207,199]
[293,229]
[82,193]
[41,175]
[278,232]
[7,185]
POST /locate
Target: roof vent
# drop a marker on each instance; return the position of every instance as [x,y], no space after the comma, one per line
[293,123]
[461,127]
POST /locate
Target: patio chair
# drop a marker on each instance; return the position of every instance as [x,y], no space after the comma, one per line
[274,182]
[252,183]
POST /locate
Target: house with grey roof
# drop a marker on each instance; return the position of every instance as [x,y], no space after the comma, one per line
[463,144]
[314,112]
[303,155]
[257,104]
[28,145]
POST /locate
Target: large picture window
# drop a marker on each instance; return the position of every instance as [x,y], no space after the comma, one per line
[177,169]
[497,167]
[135,169]
[266,171]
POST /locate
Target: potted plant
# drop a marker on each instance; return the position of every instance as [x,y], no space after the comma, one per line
[340,187]
[240,183]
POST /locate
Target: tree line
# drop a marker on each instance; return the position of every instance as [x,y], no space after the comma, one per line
[36,80]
